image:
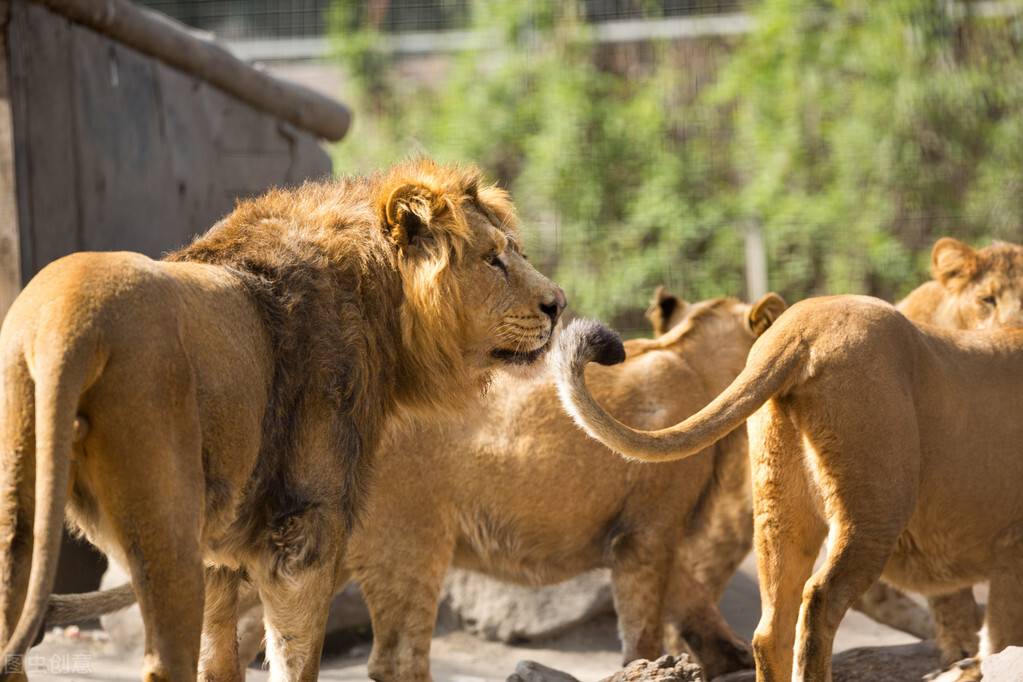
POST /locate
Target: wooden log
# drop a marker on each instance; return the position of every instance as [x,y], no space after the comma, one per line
[10,253]
[159,36]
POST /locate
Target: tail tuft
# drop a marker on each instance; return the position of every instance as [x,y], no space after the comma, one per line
[586,341]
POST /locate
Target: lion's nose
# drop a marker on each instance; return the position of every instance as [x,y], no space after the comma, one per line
[553,304]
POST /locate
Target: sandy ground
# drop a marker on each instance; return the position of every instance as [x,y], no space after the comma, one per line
[589,653]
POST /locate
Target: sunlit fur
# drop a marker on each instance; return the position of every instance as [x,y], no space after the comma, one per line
[971,289]
[231,397]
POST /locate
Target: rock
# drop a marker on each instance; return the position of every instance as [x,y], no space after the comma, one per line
[531,671]
[505,612]
[903,663]
[1005,666]
[665,669]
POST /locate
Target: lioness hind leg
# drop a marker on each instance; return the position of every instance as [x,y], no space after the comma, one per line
[957,622]
[690,610]
[787,533]
[864,519]
[639,579]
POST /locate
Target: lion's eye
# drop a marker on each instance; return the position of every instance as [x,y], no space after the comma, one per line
[494,260]
[988,300]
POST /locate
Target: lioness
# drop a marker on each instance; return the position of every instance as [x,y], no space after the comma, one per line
[220,407]
[970,289]
[899,444]
[517,492]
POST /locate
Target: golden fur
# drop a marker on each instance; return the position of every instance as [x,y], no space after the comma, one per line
[220,407]
[899,444]
[971,289]
[517,492]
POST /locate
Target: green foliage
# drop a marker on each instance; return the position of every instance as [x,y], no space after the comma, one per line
[853,132]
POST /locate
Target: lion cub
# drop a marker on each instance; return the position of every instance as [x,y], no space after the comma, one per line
[517,492]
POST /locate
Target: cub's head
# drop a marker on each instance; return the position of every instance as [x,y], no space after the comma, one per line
[472,302]
[983,288]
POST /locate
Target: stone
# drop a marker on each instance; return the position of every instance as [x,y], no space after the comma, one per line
[903,663]
[505,612]
[1005,666]
[679,668]
[531,671]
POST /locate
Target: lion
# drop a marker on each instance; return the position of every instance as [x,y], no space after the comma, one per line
[970,289]
[220,407]
[518,493]
[898,443]
[680,554]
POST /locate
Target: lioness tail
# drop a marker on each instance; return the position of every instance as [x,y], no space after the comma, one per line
[584,340]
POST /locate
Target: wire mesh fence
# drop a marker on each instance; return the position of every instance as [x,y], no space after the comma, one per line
[284,19]
[839,139]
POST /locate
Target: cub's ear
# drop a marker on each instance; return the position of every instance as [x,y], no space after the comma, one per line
[764,312]
[953,263]
[407,213]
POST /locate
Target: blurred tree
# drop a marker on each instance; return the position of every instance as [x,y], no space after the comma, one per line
[853,132]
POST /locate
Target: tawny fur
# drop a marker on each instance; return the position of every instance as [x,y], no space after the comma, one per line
[899,444]
[515,491]
[230,396]
[971,289]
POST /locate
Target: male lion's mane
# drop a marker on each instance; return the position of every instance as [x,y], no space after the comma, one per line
[344,311]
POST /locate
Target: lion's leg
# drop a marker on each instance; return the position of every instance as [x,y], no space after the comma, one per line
[218,656]
[295,609]
[864,520]
[640,563]
[17,494]
[402,593]
[1004,615]
[788,533]
[690,610]
[957,622]
[143,463]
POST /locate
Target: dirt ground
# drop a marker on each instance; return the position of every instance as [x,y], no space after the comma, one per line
[589,653]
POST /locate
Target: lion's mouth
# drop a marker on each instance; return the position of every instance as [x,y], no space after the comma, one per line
[521,357]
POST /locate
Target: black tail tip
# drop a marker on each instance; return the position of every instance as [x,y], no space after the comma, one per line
[595,342]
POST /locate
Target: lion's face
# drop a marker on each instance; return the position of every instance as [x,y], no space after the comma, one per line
[514,308]
[473,303]
[984,287]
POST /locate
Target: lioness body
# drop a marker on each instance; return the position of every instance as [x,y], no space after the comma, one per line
[516,492]
[220,409]
[899,444]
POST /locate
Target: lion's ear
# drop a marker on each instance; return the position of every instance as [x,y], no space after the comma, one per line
[408,212]
[662,306]
[764,312]
[953,263]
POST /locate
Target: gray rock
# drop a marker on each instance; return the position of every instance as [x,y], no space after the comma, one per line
[679,668]
[903,663]
[1005,666]
[505,612]
[531,671]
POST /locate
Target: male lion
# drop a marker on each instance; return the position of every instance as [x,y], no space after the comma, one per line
[899,444]
[220,407]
